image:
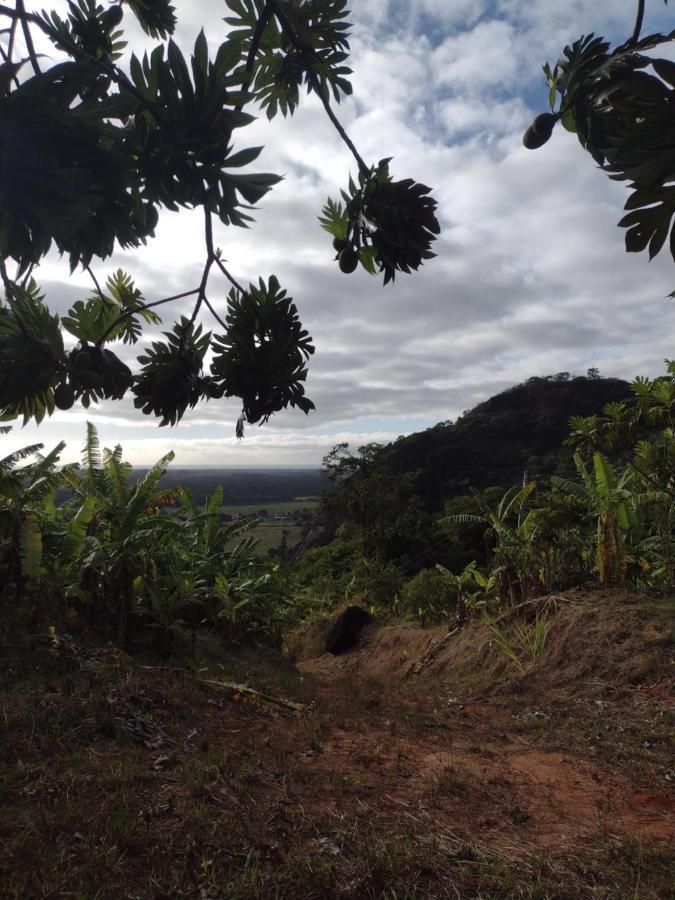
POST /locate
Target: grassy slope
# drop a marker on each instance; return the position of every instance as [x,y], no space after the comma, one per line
[422,769]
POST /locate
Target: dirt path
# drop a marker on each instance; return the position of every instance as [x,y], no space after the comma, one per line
[468,767]
[397,781]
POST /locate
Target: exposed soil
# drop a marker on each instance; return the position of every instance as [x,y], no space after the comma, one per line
[422,766]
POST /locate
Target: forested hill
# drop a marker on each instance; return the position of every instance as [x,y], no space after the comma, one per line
[520,429]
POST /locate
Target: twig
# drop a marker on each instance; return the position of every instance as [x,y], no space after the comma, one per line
[215,315]
[229,277]
[140,308]
[12,36]
[253,49]
[95,280]
[28,37]
[235,690]
[298,44]
[116,74]
[638,21]
[210,257]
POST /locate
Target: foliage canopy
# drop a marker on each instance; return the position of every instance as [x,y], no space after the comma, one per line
[622,114]
[96,146]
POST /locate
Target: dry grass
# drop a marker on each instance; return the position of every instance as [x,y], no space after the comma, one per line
[470,780]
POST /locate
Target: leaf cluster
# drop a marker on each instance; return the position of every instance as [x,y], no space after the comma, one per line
[307,47]
[94,150]
[263,356]
[388,225]
[620,102]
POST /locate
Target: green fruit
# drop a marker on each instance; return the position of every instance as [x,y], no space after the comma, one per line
[64,396]
[151,217]
[81,360]
[112,18]
[348,260]
[339,244]
[544,124]
[534,141]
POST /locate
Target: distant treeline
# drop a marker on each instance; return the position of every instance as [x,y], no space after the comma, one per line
[241,486]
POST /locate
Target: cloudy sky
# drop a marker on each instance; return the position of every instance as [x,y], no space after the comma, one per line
[531,277]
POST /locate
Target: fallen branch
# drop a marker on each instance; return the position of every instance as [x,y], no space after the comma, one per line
[432,653]
[237,691]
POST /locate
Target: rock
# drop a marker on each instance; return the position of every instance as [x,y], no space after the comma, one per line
[346,629]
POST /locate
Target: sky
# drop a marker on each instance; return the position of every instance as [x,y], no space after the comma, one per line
[530,278]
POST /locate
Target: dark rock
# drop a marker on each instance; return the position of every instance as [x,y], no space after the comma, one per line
[346,629]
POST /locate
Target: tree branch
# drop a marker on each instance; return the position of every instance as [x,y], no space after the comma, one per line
[233,281]
[140,308]
[28,37]
[12,36]
[314,82]
[255,45]
[95,280]
[107,68]
[210,258]
[215,315]
[638,21]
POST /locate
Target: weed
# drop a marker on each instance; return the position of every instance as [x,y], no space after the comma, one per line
[122,818]
[530,637]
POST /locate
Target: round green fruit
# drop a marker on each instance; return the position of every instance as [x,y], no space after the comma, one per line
[348,260]
[151,217]
[544,124]
[532,140]
[339,244]
[81,360]
[112,18]
[64,396]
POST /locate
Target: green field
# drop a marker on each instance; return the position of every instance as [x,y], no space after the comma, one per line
[278,507]
[269,533]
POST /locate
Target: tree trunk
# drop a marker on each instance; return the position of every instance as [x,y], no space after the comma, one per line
[124,623]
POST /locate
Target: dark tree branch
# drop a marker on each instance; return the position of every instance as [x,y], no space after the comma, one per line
[233,281]
[140,308]
[215,315]
[265,16]
[12,36]
[28,37]
[316,86]
[638,21]
[95,280]
[107,68]
[210,259]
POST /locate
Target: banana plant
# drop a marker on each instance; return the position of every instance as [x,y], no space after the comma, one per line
[466,599]
[609,500]
[217,552]
[27,510]
[514,572]
[125,525]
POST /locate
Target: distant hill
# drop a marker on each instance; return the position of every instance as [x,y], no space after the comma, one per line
[247,485]
[240,485]
[521,429]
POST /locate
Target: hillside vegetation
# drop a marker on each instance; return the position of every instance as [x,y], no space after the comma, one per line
[503,729]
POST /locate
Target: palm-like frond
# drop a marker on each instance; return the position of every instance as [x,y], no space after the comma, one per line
[76,532]
[514,498]
[91,454]
[9,462]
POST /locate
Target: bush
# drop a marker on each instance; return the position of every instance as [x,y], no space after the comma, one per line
[428,596]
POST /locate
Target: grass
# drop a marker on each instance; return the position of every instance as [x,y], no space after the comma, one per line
[375,792]
[276,508]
